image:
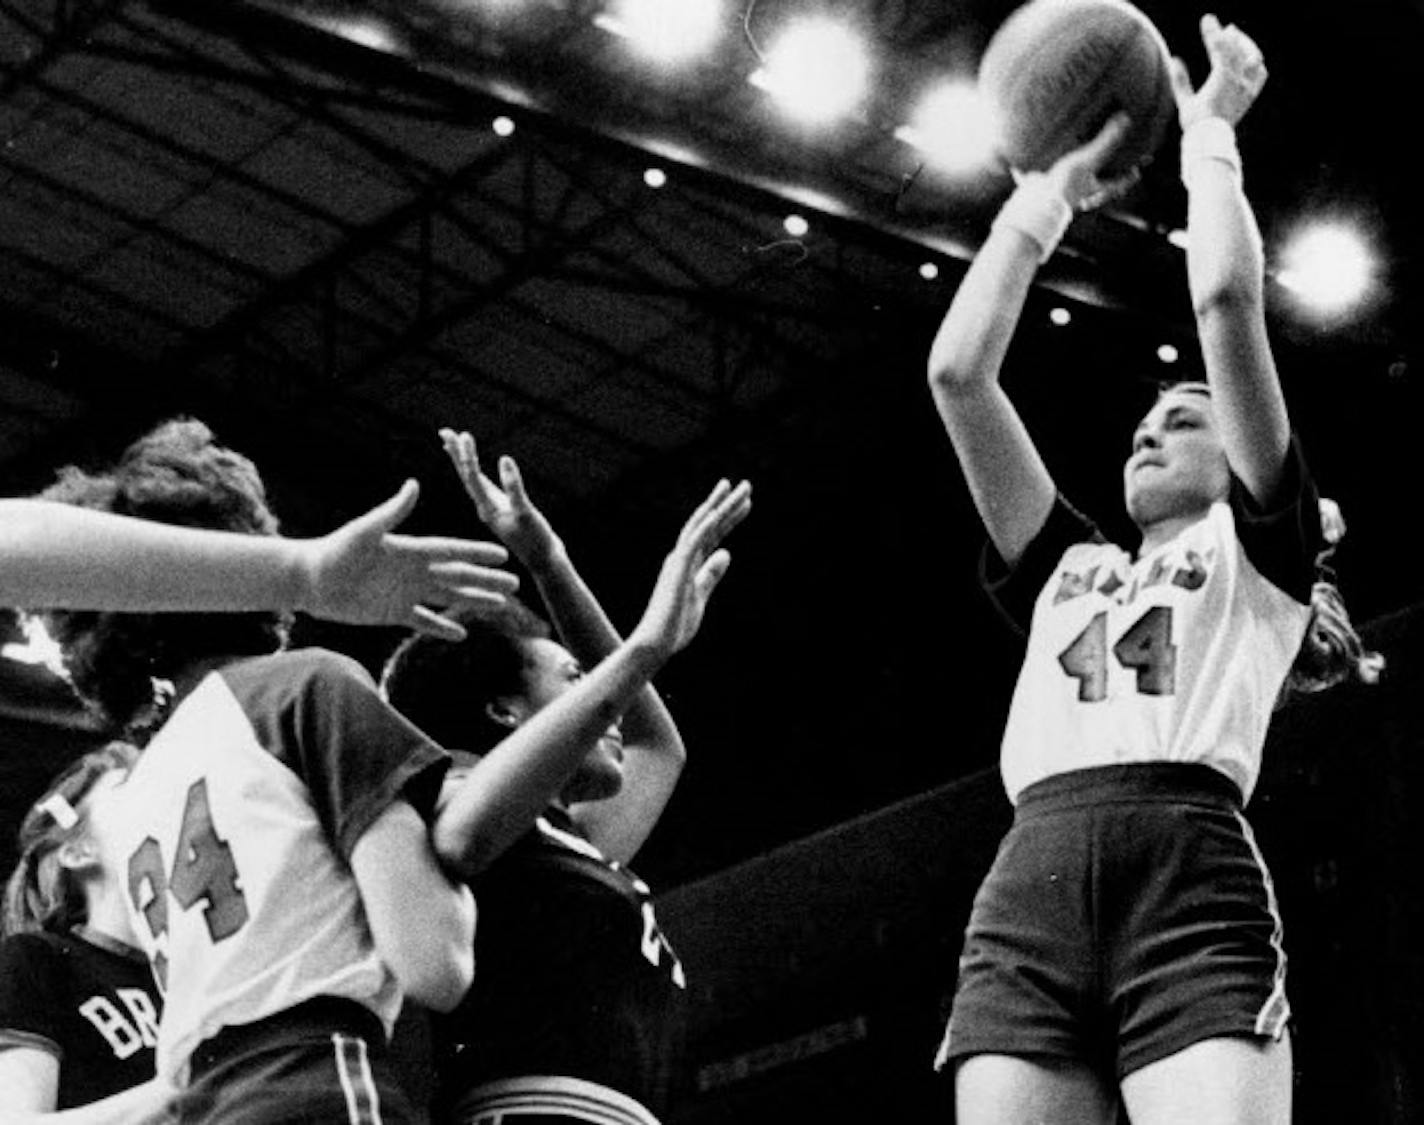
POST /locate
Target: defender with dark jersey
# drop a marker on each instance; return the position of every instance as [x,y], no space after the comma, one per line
[573,978]
[88,1000]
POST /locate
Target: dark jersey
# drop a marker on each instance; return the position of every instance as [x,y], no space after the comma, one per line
[573,977]
[89,1001]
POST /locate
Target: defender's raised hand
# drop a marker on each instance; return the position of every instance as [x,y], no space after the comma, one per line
[692,570]
[504,508]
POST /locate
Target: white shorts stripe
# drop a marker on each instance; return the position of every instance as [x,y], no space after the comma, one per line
[353,1067]
[1275,1013]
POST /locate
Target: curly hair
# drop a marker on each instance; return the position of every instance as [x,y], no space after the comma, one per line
[445,687]
[1332,652]
[177,473]
[41,893]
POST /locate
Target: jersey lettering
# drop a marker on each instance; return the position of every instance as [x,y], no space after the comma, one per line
[655,945]
[203,871]
[126,1037]
[1146,648]
[142,1013]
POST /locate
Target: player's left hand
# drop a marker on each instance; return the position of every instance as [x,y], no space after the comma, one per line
[1238,73]
[363,573]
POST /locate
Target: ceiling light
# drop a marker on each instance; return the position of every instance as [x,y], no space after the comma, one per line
[665,31]
[954,127]
[817,71]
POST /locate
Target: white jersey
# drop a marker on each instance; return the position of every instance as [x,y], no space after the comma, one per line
[240,819]
[1177,656]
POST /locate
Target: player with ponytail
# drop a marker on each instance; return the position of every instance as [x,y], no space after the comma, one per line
[1126,946]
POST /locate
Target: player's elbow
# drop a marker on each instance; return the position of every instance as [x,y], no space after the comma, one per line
[465,850]
[954,372]
[436,965]
[1234,296]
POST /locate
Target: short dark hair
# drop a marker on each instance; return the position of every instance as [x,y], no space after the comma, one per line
[177,473]
[445,687]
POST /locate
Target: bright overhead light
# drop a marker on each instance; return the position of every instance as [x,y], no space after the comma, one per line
[1328,266]
[38,648]
[796,226]
[366,31]
[502,126]
[818,70]
[955,127]
[1168,353]
[655,177]
[1059,315]
[929,271]
[666,31]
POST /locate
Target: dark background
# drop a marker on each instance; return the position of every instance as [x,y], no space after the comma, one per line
[324,251]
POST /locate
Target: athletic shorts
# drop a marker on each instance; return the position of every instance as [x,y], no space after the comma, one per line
[1127,915]
[322,1062]
[548,1100]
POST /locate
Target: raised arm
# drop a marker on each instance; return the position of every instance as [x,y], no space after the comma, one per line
[1010,485]
[58,556]
[512,784]
[1225,260]
[653,751]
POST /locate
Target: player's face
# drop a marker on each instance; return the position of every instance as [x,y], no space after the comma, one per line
[99,810]
[549,671]
[1178,465]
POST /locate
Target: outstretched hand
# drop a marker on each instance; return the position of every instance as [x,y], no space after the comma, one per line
[364,574]
[1077,174]
[507,511]
[692,570]
[1238,73]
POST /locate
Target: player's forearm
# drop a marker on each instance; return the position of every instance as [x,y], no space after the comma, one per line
[969,348]
[1225,256]
[140,1105]
[591,636]
[56,556]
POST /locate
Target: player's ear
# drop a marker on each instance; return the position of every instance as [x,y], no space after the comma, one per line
[75,855]
[503,712]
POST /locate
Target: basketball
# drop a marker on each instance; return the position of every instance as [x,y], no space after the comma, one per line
[1056,70]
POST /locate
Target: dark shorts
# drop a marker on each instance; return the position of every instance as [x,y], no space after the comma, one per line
[322,1062]
[1127,915]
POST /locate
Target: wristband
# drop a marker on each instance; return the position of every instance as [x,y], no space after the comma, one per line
[1037,210]
[1209,139]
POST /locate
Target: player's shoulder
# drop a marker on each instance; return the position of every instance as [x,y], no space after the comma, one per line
[298,666]
[30,949]
[1087,553]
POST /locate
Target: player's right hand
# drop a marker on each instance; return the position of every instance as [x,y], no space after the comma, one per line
[1076,174]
